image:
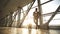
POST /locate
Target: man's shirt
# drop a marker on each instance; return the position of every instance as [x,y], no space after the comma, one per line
[36,14]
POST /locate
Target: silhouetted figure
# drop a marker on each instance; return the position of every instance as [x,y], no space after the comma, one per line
[36,16]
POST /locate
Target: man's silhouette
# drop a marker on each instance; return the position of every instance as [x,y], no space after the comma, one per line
[36,16]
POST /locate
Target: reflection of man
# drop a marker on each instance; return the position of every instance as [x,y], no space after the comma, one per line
[36,16]
[29,27]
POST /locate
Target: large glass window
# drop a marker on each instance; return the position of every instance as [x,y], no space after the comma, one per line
[46,8]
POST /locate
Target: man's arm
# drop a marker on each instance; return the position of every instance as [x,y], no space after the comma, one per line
[33,13]
[38,14]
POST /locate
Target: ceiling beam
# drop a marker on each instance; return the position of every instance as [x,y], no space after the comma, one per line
[53,15]
[42,4]
[26,13]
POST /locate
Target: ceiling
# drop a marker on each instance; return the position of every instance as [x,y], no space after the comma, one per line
[7,6]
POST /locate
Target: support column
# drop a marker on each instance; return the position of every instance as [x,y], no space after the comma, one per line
[10,18]
[40,11]
[19,14]
[6,21]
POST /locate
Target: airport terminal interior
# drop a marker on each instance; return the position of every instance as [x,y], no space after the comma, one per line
[29,16]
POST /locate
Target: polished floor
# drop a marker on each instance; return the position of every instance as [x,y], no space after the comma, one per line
[10,30]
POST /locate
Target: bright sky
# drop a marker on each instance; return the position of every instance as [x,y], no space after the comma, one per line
[46,8]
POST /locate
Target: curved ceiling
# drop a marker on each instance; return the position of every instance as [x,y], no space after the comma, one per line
[7,6]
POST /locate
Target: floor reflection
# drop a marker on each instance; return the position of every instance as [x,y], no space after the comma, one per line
[8,30]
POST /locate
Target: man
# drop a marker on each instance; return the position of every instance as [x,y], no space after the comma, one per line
[36,16]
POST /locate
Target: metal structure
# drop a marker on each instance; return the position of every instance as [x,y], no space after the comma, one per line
[9,19]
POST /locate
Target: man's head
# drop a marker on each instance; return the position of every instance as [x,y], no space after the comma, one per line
[36,9]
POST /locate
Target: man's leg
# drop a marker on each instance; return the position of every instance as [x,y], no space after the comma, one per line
[36,23]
